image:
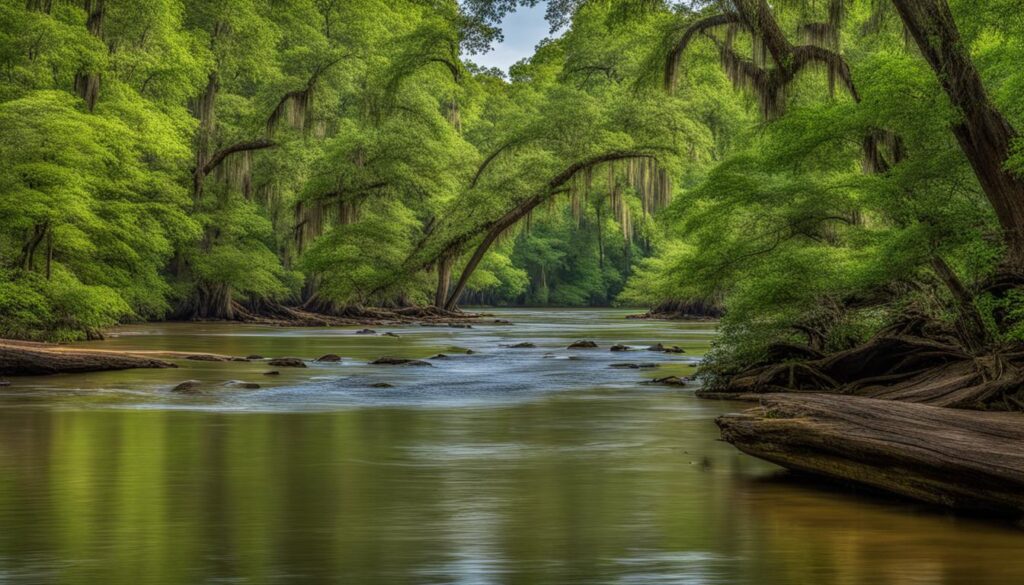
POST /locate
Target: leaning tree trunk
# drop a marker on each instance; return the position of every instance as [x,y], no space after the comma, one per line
[444,281]
[523,209]
[984,134]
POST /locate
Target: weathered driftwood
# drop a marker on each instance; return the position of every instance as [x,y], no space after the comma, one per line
[966,460]
[18,359]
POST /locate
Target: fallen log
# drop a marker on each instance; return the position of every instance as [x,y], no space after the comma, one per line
[17,359]
[966,460]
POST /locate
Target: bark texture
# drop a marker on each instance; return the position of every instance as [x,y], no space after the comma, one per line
[959,459]
[18,359]
[984,134]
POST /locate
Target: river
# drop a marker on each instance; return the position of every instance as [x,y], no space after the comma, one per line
[506,466]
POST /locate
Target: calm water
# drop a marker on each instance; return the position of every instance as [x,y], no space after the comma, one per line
[506,466]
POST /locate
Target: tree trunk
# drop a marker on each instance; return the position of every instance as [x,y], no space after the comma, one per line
[28,251]
[87,83]
[523,209]
[444,281]
[984,134]
[969,322]
[49,254]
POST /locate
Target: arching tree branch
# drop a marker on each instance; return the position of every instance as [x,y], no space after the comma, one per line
[523,208]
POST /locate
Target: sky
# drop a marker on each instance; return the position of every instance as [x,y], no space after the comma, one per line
[523,29]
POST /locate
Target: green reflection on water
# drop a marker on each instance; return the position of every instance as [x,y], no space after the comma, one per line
[601,485]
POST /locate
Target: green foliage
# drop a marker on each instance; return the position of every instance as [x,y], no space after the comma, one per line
[342,151]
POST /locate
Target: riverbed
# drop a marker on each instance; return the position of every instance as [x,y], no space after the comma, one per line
[501,466]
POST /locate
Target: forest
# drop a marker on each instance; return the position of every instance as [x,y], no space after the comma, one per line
[840,181]
[819,172]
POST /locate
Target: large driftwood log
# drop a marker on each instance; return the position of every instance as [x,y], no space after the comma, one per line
[17,359]
[966,460]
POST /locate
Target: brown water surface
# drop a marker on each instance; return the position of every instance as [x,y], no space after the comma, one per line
[508,466]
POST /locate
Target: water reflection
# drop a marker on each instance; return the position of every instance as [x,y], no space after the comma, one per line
[598,482]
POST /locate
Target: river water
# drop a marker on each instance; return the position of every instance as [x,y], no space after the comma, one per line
[507,466]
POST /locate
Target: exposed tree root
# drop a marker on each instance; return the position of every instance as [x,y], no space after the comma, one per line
[899,367]
[682,310]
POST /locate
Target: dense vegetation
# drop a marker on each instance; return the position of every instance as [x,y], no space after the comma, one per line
[824,171]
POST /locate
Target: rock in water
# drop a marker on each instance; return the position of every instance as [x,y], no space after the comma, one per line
[366,332]
[470,352]
[523,345]
[439,356]
[207,357]
[272,373]
[187,387]
[390,334]
[241,384]
[620,347]
[287,363]
[393,361]
[670,381]
[254,357]
[329,358]
[381,385]
[583,344]
[663,349]
[633,366]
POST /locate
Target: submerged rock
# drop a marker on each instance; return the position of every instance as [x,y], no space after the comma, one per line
[287,363]
[366,332]
[254,357]
[583,344]
[272,373]
[523,345]
[620,347]
[439,356]
[470,352]
[207,357]
[633,366]
[246,385]
[502,322]
[329,358]
[390,334]
[381,385]
[460,325]
[187,387]
[670,381]
[663,349]
[393,361]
